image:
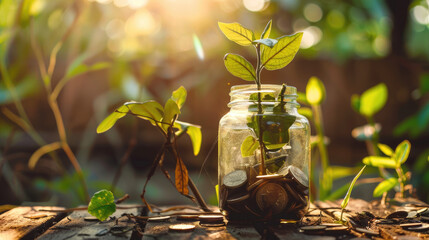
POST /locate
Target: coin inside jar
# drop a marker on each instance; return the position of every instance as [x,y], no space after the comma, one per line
[272,197]
[235,179]
[159,219]
[271,176]
[300,177]
[238,199]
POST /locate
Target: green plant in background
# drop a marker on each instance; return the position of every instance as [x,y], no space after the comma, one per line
[368,104]
[164,118]
[271,54]
[392,160]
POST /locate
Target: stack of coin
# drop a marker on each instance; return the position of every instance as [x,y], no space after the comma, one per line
[244,195]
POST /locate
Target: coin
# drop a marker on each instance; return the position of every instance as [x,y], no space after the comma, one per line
[300,200]
[223,196]
[424,218]
[255,184]
[272,197]
[90,219]
[270,177]
[211,218]
[336,230]
[368,232]
[313,229]
[408,225]
[187,217]
[238,199]
[159,219]
[423,227]
[235,179]
[332,224]
[181,227]
[250,210]
[299,176]
[397,214]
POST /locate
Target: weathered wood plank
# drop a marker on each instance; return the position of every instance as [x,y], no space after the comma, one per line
[76,227]
[27,222]
[160,230]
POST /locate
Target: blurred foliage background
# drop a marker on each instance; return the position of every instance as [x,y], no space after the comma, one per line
[112,51]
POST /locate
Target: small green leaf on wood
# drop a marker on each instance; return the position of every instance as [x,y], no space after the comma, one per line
[377,161]
[102,205]
[315,91]
[282,53]
[402,152]
[248,147]
[181,177]
[373,100]
[237,33]
[269,42]
[110,120]
[267,30]
[239,67]
[385,149]
[349,192]
[385,186]
[179,96]
[150,110]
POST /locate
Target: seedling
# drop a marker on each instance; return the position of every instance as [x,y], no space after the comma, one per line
[346,199]
[165,120]
[394,160]
[271,54]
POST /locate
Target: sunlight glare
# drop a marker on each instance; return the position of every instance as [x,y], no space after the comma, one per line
[198,47]
[142,23]
[120,3]
[137,3]
[114,29]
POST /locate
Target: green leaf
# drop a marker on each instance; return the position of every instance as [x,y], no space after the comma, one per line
[267,30]
[237,33]
[179,96]
[349,192]
[248,147]
[239,67]
[282,53]
[385,149]
[171,111]
[269,42]
[373,100]
[315,91]
[402,152]
[385,186]
[355,102]
[302,98]
[150,110]
[110,120]
[306,112]
[194,132]
[341,172]
[377,161]
[102,205]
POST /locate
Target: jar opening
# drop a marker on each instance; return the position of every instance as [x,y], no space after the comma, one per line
[246,94]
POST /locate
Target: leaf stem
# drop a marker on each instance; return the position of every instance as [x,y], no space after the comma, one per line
[318,123]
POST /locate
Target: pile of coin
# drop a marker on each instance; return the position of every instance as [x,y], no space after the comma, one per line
[247,196]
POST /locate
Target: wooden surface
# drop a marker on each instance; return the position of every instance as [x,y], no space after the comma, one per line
[130,222]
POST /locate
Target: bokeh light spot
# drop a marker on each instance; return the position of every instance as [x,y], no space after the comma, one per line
[421,14]
[313,12]
[336,19]
[255,5]
[312,36]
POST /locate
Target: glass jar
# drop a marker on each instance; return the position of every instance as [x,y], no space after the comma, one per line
[274,184]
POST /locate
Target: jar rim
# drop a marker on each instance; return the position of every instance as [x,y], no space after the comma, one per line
[240,94]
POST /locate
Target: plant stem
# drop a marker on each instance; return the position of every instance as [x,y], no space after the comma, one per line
[318,123]
[262,169]
[375,150]
[401,178]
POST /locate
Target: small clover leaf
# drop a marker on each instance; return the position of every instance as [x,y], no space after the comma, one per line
[102,205]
